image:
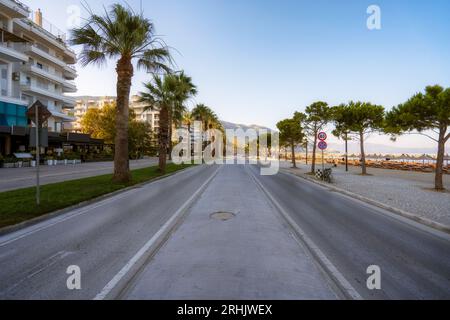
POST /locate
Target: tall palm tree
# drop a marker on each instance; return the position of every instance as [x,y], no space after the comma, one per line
[164,94]
[185,89]
[187,120]
[127,37]
[207,116]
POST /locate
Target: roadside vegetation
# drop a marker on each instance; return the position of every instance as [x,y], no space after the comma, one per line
[20,205]
[101,124]
[129,39]
[425,113]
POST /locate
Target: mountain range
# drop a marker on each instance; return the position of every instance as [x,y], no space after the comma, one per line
[234,126]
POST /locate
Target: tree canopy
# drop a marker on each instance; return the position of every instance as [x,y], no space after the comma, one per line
[100,124]
[291,134]
[423,112]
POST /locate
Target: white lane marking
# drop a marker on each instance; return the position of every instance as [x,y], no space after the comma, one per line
[57,220]
[324,261]
[46,264]
[10,238]
[161,233]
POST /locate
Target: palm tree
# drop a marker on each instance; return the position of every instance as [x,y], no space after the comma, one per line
[185,89]
[187,120]
[166,95]
[127,37]
[207,116]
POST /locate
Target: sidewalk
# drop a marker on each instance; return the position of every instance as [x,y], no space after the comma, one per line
[250,256]
[408,191]
[18,178]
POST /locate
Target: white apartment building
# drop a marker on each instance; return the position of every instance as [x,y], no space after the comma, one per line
[84,103]
[35,64]
[149,116]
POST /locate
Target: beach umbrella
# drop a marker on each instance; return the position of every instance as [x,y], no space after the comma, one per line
[379,157]
[402,157]
[425,157]
[410,158]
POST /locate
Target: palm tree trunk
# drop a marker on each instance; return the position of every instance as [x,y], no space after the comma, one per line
[163,138]
[363,154]
[121,157]
[438,181]
[170,135]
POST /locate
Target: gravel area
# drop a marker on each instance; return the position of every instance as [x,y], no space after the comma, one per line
[396,189]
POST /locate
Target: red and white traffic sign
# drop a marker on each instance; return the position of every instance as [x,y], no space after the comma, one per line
[322,145]
[322,136]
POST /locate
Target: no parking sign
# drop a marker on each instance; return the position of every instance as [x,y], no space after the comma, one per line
[322,145]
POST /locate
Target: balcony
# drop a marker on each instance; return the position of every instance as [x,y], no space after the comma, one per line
[10,54]
[69,86]
[13,100]
[33,50]
[14,8]
[8,51]
[43,73]
[70,73]
[52,36]
[68,102]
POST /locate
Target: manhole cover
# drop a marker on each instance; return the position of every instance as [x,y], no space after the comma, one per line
[223,216]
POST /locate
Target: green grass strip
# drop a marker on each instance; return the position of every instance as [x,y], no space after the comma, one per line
[20,205]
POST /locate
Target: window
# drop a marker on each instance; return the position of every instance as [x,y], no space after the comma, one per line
[13,114]
[39,65]
[3,80]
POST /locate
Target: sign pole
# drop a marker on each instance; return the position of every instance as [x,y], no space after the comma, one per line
[346,152]
[38,158]
[323,167]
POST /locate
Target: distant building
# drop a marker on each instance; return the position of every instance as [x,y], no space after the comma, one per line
[84,103]
[149,116]
[35,64]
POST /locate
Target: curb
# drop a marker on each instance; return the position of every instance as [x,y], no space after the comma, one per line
[404,214]
[34,221]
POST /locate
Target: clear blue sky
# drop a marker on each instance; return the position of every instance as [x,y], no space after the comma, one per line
[258,61]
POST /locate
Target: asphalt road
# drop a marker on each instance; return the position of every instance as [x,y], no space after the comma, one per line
[250,254]
[17,178]
[414,259]
[100,238]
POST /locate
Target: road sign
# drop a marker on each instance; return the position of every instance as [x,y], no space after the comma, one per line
[322,136]
[38,109]
[322,145]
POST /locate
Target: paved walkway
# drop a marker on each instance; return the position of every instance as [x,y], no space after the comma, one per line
[17,178]
[250,256]
[409,191]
